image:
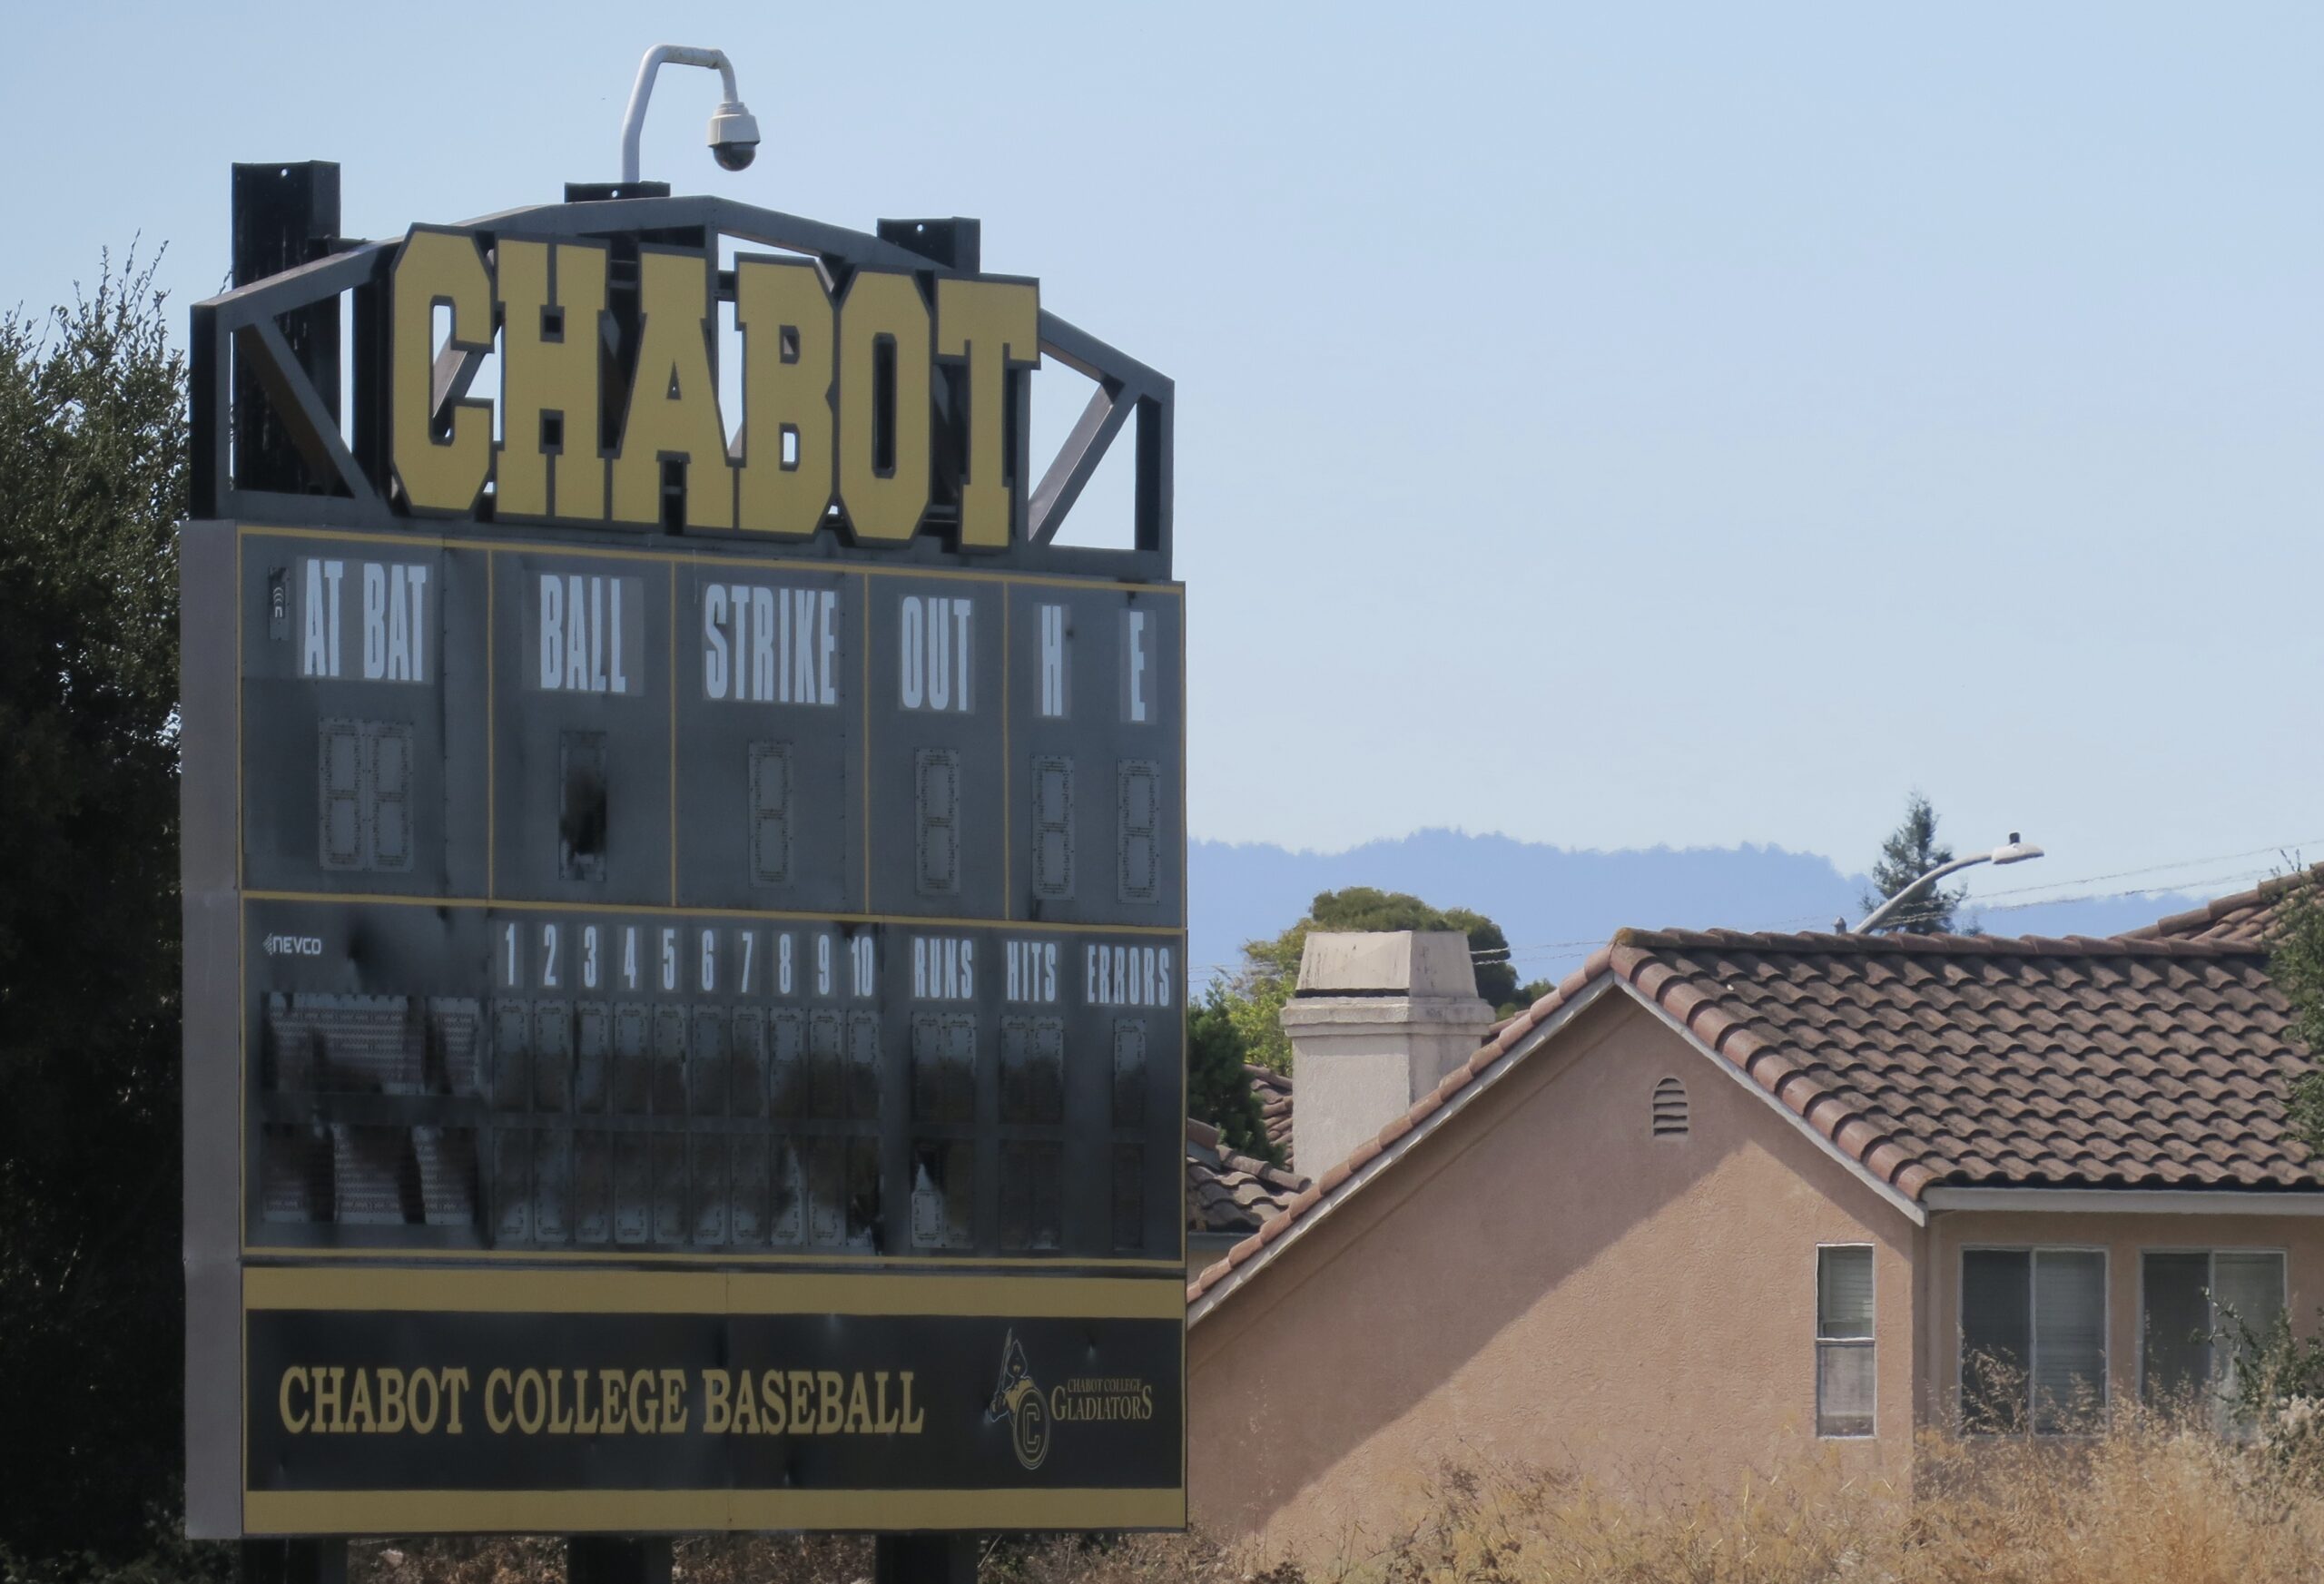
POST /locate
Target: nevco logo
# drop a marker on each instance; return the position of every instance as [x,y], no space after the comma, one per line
[294,945]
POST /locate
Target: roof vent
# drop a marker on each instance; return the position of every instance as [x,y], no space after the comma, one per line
[1669,1109]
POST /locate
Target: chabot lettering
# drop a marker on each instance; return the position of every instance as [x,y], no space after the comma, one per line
[837,411]
[352,1400]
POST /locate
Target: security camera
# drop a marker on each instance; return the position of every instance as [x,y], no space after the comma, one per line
[734,135]
[734,130]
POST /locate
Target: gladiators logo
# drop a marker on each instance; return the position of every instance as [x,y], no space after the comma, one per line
[1018,1401]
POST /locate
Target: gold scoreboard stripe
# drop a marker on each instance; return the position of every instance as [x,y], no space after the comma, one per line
[569,1292]
[586,1512]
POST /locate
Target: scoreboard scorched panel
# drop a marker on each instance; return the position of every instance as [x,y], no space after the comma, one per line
[605,900]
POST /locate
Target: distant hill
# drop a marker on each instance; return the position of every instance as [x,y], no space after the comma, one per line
[1557,904]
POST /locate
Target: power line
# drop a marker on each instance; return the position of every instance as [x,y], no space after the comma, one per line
[1558,950]
[2154,869]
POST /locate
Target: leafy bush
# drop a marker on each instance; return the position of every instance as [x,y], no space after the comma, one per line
[2278,1391]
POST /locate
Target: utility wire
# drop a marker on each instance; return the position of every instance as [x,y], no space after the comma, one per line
[1558,950]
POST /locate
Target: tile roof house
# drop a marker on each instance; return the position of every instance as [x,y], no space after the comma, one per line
[1722,1198]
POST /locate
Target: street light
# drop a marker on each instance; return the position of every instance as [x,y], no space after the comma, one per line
[2012,852]
[734,130]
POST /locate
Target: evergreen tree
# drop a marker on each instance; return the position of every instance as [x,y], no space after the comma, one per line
[1911,851]
[1219,1090]
[93,483]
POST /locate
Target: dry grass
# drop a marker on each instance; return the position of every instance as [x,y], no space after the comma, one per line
[2146,1502]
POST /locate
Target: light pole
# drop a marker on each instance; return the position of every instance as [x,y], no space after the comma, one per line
[2012,852]
[734,130]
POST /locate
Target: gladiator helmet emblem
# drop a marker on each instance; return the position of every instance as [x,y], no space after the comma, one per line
[1018,1401]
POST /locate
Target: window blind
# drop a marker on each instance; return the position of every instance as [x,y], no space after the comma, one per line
[2248,1289]
[1844,1292]
[1845,1374]
[2250,1284]
[2069,1335]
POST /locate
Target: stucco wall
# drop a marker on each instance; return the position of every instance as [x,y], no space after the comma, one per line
[2124,1238]
[1539,1281]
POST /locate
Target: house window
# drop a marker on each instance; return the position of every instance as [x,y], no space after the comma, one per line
[2186,1299]
[2033,1338]
[1843,1377]
[1668,1115]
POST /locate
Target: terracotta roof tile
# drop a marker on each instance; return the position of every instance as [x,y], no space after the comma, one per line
[1273,1090]
[1228,1191]
[2243,916]
[2151,1062]
[2160,1060]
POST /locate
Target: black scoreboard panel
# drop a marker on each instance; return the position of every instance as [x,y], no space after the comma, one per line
[550,1078]
[608,901]
[771,714]
[345,706]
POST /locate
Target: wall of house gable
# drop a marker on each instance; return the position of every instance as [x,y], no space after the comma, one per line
[2125,1238]
[1539,1282]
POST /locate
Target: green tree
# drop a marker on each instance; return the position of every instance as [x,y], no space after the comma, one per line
[93,483]
[1911,851]
[1219,1090]
[1256,995]
[2296,963]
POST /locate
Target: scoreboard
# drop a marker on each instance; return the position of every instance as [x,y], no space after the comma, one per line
[744,906]
[684,1024]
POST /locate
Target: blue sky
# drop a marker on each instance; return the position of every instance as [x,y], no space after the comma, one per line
[1606,425]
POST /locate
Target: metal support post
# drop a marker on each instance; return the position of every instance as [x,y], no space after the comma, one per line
[617,1560]
[924,1559]
[291,1563]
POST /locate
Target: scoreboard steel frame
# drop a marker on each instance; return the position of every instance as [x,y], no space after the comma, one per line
[683,1031]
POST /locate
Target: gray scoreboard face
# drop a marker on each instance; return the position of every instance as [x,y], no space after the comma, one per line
[702,1032]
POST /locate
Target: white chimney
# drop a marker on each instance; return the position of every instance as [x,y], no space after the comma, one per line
[1376,1021]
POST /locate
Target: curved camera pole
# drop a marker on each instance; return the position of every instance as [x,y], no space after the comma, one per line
[632,121]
